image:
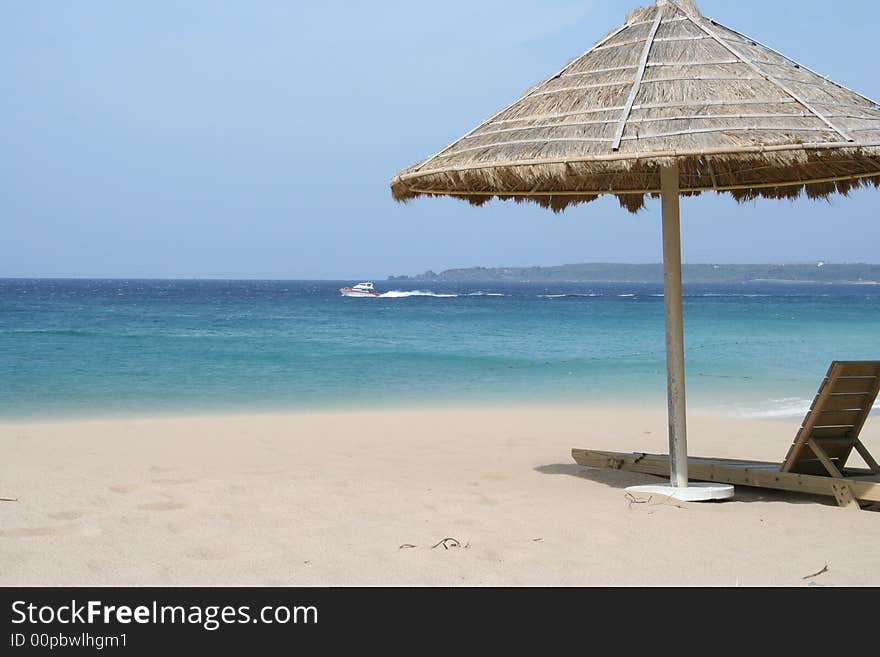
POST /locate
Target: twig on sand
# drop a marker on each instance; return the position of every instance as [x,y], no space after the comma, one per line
[8,499]
[665,501]
[824,570]
[447,543]
[632,500]
[407,546]
[670,501]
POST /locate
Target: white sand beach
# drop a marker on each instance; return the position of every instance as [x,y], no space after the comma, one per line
[362,499]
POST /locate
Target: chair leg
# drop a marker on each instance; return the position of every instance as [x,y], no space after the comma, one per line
[844,496]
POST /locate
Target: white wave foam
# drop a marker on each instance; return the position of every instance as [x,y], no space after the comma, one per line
[779,408]
[788,407]
[486,294]
[565,296]
[403,294]
[626,296]
[552,296]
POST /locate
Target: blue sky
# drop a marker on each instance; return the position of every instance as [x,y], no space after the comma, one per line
[256,139]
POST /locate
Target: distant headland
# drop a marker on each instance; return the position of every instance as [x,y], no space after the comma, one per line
[815,272]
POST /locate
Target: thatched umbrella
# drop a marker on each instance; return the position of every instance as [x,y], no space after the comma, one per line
[670,103]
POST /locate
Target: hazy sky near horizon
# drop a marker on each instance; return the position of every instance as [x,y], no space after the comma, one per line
[151,138]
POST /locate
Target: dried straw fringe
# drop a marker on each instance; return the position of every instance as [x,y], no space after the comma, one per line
[635,201]
[782,175]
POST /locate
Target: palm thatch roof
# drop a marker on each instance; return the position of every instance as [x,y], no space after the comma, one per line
[669,85]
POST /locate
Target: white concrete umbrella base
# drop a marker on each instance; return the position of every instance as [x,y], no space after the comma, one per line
[695,492]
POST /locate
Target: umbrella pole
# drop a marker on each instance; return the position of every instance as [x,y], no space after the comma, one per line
[678,488]
[678,460]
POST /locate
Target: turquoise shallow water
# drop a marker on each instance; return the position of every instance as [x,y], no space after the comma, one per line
[83,348]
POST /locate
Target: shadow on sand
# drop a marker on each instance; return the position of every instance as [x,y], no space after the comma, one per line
[622,479]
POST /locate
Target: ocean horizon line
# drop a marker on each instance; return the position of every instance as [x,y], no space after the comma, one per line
[481,274]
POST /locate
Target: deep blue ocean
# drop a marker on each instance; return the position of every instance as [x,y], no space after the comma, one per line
[108,347]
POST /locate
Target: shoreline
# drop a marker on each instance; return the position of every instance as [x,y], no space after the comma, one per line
[653,403]
[330,498]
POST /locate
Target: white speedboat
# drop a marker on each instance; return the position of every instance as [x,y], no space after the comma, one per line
[359,290]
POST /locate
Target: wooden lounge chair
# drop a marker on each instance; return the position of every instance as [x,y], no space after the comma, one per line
[816,460]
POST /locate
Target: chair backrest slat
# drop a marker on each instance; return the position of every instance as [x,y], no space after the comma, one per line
[836,418]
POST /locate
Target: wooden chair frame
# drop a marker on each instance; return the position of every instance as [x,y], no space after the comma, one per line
[816,460]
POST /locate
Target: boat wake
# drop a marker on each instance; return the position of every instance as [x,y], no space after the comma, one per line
[404,294]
